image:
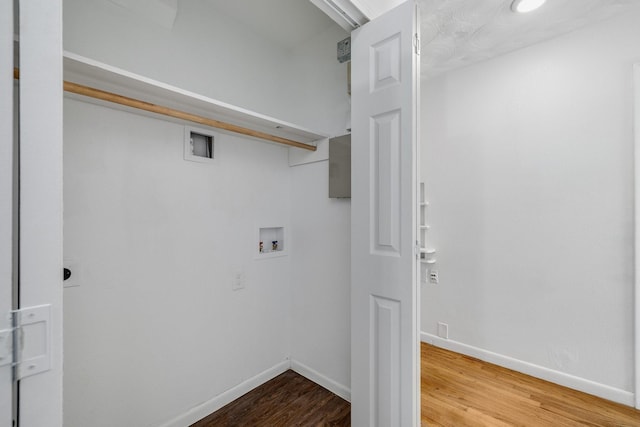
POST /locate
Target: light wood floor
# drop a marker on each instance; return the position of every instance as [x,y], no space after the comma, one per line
[457,391]
[461,391]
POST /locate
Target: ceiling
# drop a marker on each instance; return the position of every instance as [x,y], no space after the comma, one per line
[455,33]
[288,23]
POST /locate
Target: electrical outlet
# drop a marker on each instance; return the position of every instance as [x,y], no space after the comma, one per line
[238,281]
[433,277]
[443,330]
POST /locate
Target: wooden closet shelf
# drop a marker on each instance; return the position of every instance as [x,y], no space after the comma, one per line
[101,83]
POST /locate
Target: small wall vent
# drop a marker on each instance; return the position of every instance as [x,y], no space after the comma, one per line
[198,144]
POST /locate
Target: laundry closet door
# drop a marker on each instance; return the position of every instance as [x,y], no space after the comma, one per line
[384,298]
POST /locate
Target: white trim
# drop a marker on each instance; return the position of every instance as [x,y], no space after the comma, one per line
[557,377]
[322,380]
[6,202]
[364,7]
[40,230]
[199,412]
[344,12]
[636,122]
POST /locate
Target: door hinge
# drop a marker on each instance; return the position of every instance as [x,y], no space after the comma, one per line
[26,344]
[416,43]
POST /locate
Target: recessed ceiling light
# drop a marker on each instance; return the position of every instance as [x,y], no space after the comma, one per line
[524,6]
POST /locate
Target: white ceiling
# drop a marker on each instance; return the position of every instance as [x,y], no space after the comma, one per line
[455,33]
[287,23]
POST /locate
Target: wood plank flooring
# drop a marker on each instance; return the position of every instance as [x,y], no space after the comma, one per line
[460,391]
[287,400]
[457,391]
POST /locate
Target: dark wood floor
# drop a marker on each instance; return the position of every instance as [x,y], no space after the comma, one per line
[287,400]
[457,391]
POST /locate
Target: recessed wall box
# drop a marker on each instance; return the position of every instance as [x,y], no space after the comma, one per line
[198,144]
[272,241]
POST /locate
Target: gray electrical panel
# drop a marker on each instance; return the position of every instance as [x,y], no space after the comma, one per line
[340,166]
[344,50]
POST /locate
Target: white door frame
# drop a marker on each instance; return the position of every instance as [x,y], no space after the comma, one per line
[40,401]
[636,123]
[6,208]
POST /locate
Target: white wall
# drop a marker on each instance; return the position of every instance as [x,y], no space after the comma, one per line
[320,263]
[205,52]
[154,328]
[211,53]
[528,165]
[318,98]
[320,279]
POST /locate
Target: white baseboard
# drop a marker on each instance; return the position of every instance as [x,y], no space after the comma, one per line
[557,377]
[326,382]
[210,406]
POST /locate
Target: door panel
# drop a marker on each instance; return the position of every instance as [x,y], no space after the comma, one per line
[384,298]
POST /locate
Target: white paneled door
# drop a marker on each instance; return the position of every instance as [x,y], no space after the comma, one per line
[384,297]
[6,208]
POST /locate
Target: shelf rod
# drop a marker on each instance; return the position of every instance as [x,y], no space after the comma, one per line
[170,112]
